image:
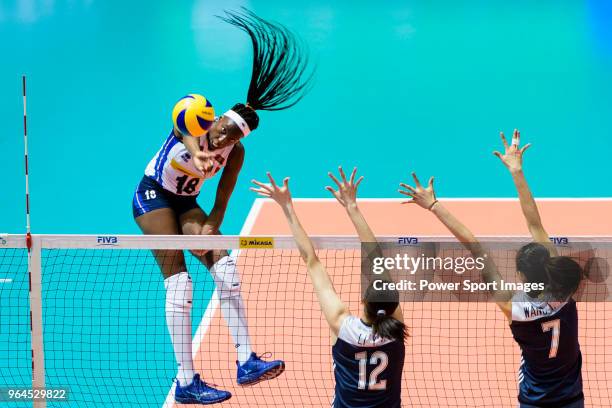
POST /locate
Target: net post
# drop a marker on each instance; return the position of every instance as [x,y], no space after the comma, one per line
[36,322]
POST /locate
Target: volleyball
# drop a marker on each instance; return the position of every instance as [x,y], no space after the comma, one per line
[193,115]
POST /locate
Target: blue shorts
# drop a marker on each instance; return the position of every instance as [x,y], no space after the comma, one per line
[150,195]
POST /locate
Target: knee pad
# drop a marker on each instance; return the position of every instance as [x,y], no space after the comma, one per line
[227,279]
[179,293]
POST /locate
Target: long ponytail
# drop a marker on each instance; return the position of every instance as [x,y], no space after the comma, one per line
[389,328]
[564,275]
[281,74]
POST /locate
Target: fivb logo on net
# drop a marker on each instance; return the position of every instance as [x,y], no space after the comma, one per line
[107,240]
[560,241]
[408,241]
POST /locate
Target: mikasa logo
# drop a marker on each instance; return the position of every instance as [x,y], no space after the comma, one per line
[256,242]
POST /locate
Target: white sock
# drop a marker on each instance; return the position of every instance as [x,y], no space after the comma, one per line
[179,295]
[227,279]
[234,314]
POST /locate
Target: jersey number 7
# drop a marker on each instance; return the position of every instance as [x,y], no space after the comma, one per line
[555,325]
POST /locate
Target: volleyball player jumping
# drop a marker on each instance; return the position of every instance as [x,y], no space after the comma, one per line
[368,351]
[543,323]
[165,202]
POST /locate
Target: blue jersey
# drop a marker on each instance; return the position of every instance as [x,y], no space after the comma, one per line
[547,332]
[367,368]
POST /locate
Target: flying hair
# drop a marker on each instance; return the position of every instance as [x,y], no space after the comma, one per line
[279,77]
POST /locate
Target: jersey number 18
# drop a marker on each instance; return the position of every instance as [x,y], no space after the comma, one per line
[185,184]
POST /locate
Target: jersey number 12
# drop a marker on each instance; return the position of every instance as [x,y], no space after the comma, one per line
[381,359]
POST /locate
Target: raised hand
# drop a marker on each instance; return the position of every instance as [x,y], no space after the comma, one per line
[513,154]
[281,194]
[423,196]
[347,189]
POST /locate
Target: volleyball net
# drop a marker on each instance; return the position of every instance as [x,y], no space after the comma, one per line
[105,341]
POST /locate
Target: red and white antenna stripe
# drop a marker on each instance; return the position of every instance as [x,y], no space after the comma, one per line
[34,272]
[27,180]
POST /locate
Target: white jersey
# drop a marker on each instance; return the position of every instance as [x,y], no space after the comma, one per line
[174,170]
[356,333]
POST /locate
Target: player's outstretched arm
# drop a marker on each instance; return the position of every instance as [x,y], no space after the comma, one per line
[347,197]
[334,310]
[512,158]
[425,197]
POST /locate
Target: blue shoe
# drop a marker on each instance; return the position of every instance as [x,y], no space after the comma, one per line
[256,370]
[198,392]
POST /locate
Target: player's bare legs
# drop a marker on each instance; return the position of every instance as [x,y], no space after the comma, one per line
[163,222]
[179,296]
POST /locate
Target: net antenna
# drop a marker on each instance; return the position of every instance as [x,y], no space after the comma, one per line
[34,270]
[27,179]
